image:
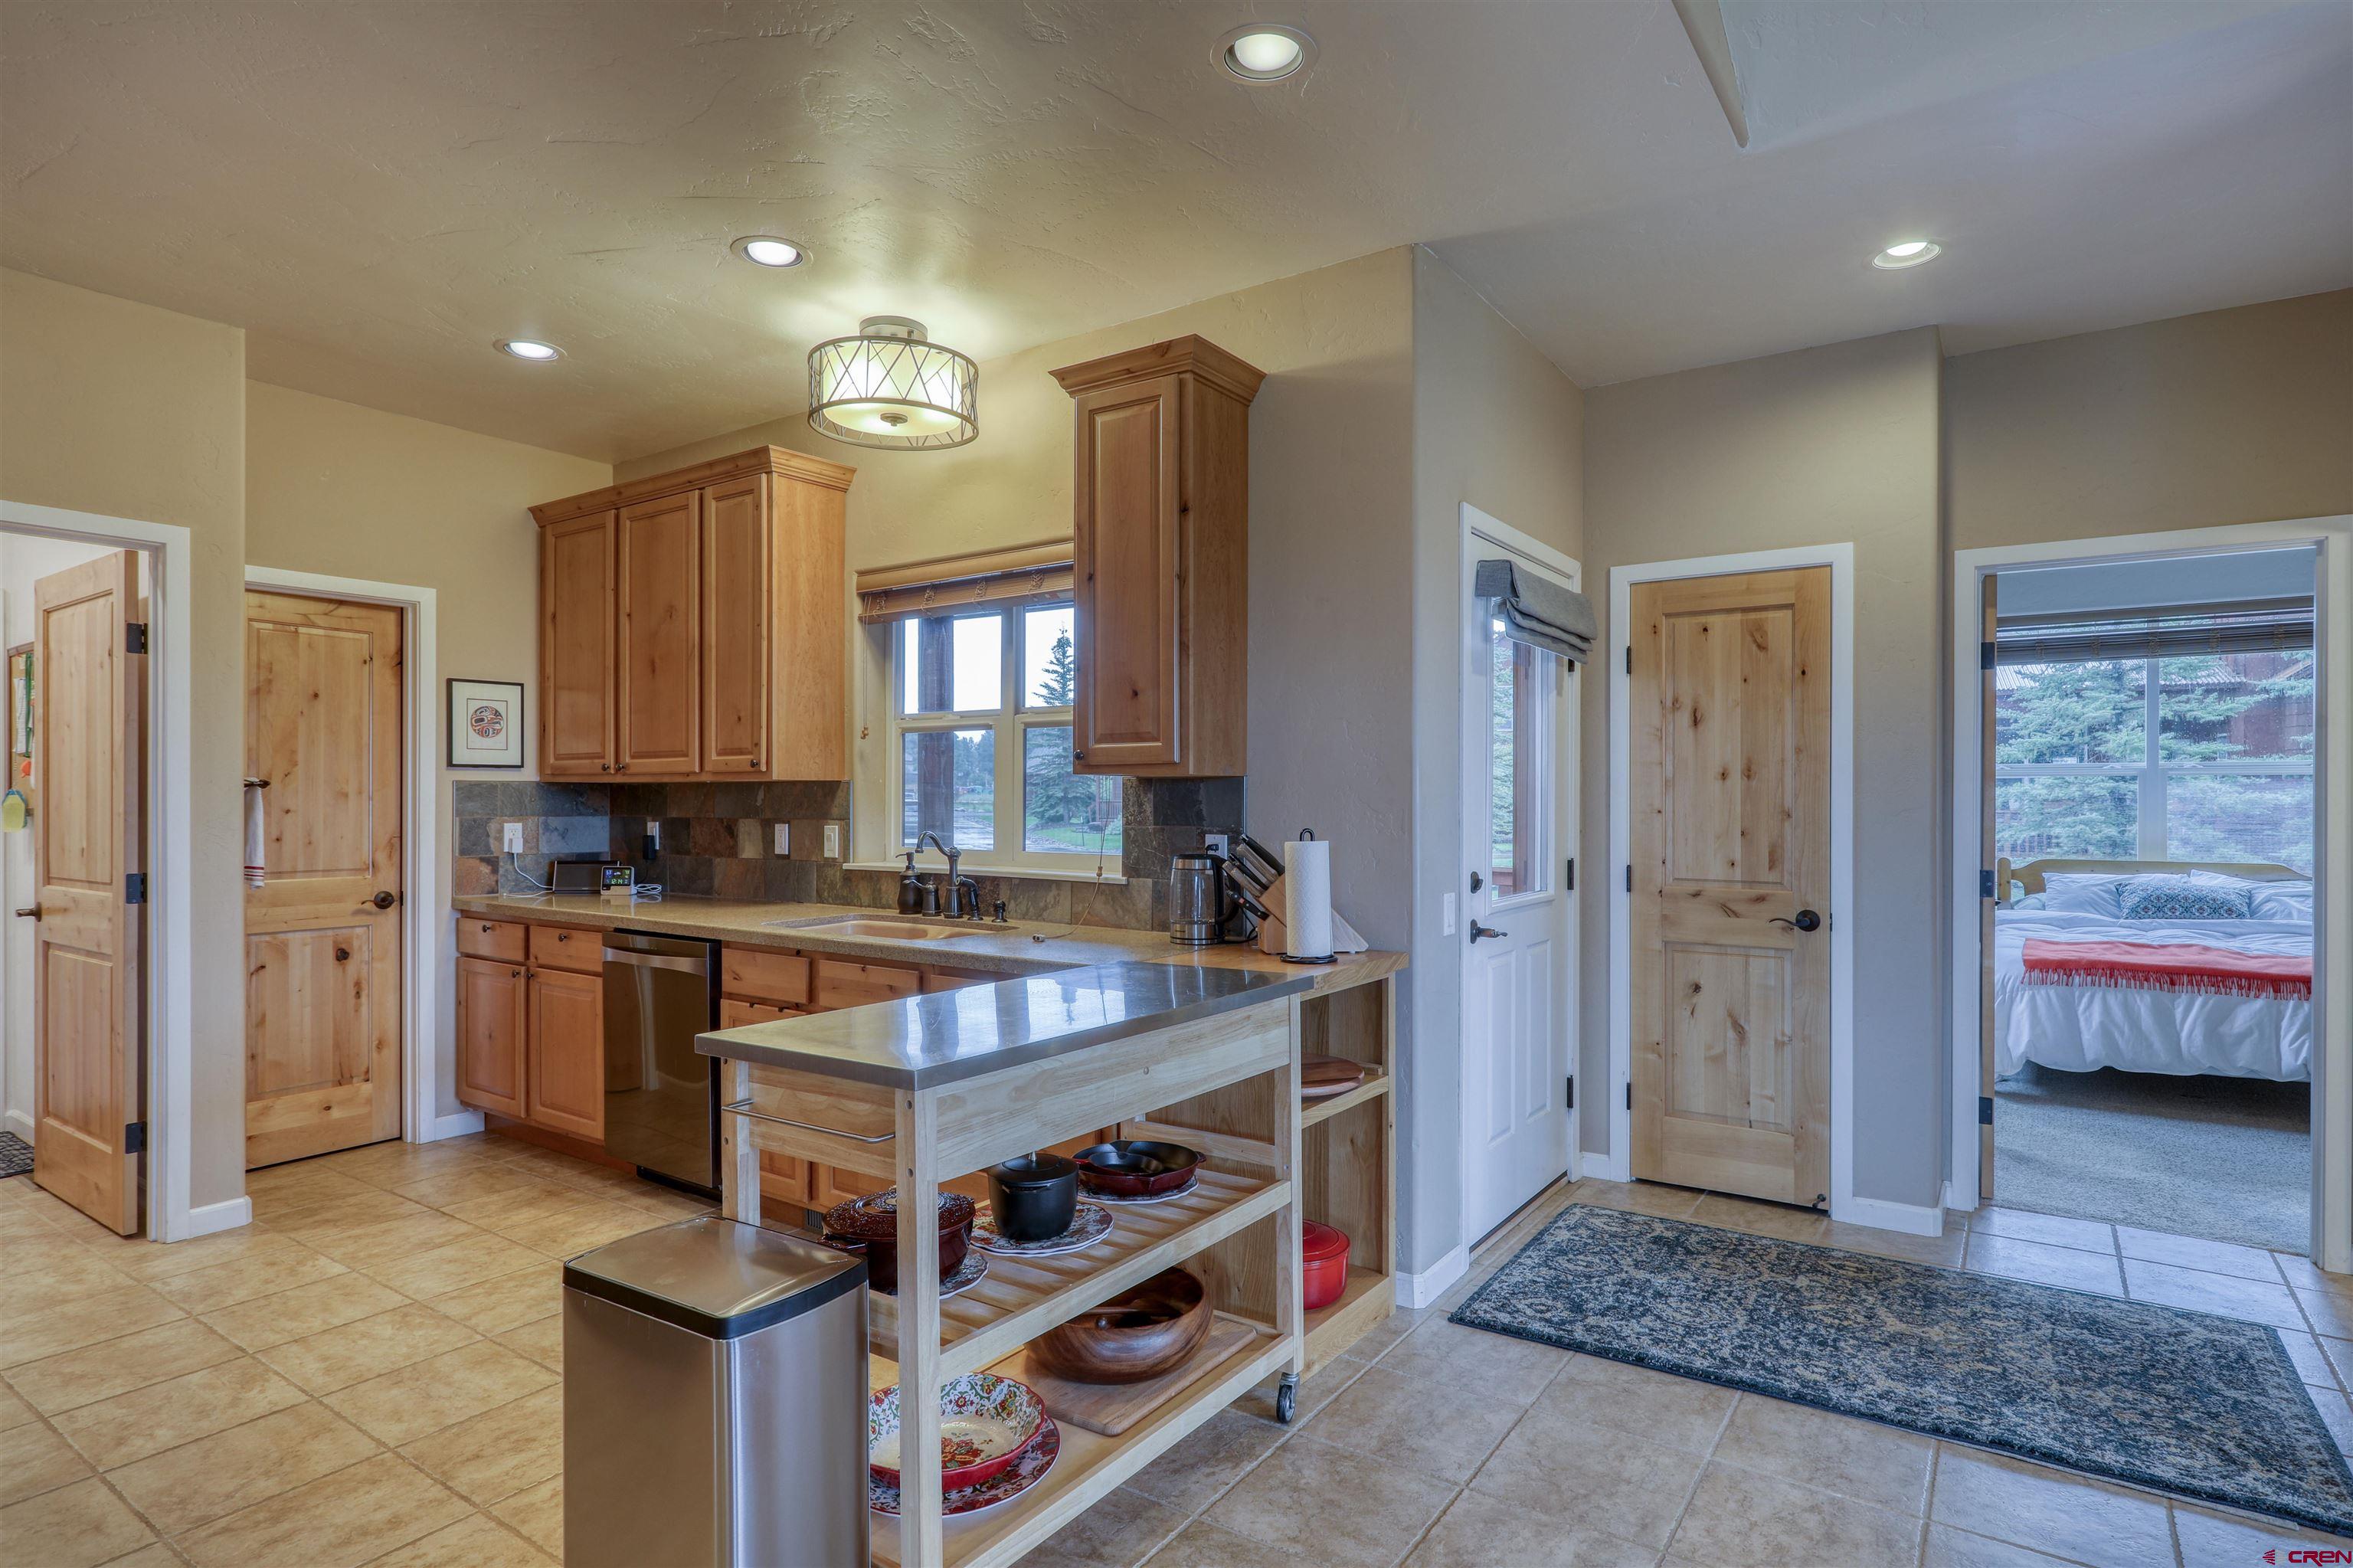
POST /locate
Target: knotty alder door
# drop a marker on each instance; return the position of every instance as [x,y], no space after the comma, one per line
[1731,808]
[86,934]
[322,933]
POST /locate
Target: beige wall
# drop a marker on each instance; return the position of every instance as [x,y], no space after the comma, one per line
[1824,445]
[130,411]
[2239,416]
[348,491]
[1494,424]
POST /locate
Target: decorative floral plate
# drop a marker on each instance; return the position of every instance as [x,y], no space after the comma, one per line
[968,1275]
[1091,1225]
[1147,1198]
[985,1423]
[1034,1462]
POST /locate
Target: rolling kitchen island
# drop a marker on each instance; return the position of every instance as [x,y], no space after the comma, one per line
[926,1089]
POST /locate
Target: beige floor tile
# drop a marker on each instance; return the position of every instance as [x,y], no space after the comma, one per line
[488,1457]
[391,1164]
[363,1246]
[1938,1252]
[1610,1396]
[538,1512]
[2335,1414]
[337,1358]
[306,1309]
[1478,1531]
[478,1541]
[117,1366]
[45,1270]
[54,1327]
[356,1514]
[590,1222]
[1206,1460]
[2028,1504]
[34,1459]
[2328,1311]
[2339,1352]
[445,1268]
[1331,1505]
[2213,1539]
[2195,1252]
[1462,1357]
[2203,1292]
[2312,1362]
[487,1179]
[2300,1272]
[77,1526]
[1204,1545]
[178,1410]
[2071,1268]
[155,1554]
[150,1261]
[509,1301]
[227,1284]
[1780,1220]
[1123,1528]
[1422,1426]
[1638,1197]
[1623,1486]
[1317,1390]
[1857,1459]
[1741,1518]
[301,1176]
[198,1482]
[14,1411]
[1376,1339]
[401,1406]
[1950,1548]
[664,1203]
[316,1216]
[542,1339]
[538,1195]
[2051,1230]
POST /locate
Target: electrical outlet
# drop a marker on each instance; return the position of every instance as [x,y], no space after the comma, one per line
[833,841]
[1217,843]
[514,841]
[1446,914]
[784,838]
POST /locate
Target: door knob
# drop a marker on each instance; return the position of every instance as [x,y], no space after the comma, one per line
[383,900]
[1477,931]
[1807,920]
[32,914]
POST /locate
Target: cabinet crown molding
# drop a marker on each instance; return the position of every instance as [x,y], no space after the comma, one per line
[781,460]
[1188,355]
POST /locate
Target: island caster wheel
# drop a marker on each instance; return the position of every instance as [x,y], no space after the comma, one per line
[1286,1398]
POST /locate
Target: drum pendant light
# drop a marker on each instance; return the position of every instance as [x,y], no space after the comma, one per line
[891,387]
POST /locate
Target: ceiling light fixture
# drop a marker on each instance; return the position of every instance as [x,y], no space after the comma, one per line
[1907,253]
[770,251]
[890,386]
[538,353]
[1266,51]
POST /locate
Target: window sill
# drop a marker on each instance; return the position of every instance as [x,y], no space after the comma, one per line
[974,868]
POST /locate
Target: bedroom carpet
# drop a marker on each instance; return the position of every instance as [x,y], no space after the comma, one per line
[2226,1159]
[2202,1407]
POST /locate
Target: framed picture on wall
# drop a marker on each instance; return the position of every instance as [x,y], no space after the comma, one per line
[485,724]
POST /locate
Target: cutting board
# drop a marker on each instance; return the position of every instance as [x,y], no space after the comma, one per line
[1111,1408]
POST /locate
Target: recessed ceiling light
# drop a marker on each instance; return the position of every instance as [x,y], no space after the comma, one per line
[528,348]
[1266,51]
[1907,253]
[769,250]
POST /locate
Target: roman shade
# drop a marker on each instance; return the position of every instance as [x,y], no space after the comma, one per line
[1032,573]
[1536,611]
[2265,626]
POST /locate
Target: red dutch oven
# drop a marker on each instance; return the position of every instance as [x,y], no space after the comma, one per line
[1325,1256]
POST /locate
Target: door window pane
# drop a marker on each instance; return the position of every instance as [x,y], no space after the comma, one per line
[948,786]
[2094,817]
[2235,707]
[952,664]
[2092,711]
[1517,684]
[1050,668]
[2240,816]
[1060,811]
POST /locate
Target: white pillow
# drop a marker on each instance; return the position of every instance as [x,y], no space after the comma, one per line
[2030,901]
[2272,900]
[2082,893]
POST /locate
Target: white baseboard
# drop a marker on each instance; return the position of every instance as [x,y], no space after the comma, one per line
[227,1215]
[1879,1213]
[20,1124]
[457,1124]
[1601,1167]
[1415,1290]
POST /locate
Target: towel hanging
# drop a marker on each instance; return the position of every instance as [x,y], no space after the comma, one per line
[255,832]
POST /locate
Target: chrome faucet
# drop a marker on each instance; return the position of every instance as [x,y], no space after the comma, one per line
[960,894]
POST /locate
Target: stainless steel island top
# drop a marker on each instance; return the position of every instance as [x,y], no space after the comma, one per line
[944,1037]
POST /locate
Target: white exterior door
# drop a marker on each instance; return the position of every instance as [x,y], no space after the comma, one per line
[1516,976]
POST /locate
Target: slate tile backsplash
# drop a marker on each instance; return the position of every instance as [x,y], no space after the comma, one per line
[717,841]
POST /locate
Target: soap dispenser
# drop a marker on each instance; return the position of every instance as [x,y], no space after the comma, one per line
[911,889]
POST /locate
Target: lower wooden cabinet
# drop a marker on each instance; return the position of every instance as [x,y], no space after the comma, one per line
[490,1035]
[563,1054]
[530,1039]
[784,1180]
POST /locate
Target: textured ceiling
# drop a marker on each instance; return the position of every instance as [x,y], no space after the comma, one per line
[376,188]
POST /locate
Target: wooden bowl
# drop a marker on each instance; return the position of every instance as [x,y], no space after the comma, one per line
[1152,1330]
[1128,1168]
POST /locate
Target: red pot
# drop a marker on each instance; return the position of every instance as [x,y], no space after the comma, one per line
[1324,1255]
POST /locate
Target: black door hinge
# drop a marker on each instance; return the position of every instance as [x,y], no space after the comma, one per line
[134,1137]
[1630,658]
[1630,876]
[1630,1094]
[1985,1111]
[1572,876]
[1985,655]
[134,888]
[134,637]
[1572,1091]
[1985,884]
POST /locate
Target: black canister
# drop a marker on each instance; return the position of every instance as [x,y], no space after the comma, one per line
[1035,1197]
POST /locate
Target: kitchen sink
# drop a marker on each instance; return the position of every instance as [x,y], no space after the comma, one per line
[890,930]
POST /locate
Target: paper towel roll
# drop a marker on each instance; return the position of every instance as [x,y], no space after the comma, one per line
[1307,897]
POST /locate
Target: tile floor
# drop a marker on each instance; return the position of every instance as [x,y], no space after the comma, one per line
[369,1375]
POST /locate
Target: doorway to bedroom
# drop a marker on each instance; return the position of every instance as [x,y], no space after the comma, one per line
[2149,812]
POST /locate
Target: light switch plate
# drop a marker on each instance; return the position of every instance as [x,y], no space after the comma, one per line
[833,841]
[513,838]
[784,838]
[817,838]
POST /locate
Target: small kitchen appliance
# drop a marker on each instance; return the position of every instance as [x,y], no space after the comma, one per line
[1197,905]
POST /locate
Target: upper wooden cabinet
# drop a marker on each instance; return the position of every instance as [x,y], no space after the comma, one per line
[1161,543]
[694,624]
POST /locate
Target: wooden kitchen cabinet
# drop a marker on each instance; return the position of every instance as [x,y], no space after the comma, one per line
[1160,540]
[694,624]
[563,1054]
[490,1034]
[783,1178]
[530,1030]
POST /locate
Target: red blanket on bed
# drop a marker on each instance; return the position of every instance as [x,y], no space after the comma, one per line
[2169,966]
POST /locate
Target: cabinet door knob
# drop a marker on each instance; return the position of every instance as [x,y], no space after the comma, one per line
[605,767]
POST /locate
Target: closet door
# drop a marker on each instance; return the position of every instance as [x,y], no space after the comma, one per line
[659,661]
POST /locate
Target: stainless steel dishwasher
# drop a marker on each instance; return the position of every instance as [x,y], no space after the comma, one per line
[661,1098]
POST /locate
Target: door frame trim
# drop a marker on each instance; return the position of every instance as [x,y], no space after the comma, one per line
[1618,1165]
[1567,835]
[171,987]
[423,964]
[2332,1085]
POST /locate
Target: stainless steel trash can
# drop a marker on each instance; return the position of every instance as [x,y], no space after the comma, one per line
[714,1402]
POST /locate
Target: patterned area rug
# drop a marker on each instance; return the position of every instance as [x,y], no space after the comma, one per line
[16,1156]
[2205,1407]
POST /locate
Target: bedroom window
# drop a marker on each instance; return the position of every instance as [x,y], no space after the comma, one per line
[2166,756]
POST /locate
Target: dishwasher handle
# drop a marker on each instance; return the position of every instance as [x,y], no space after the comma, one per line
[635,959]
